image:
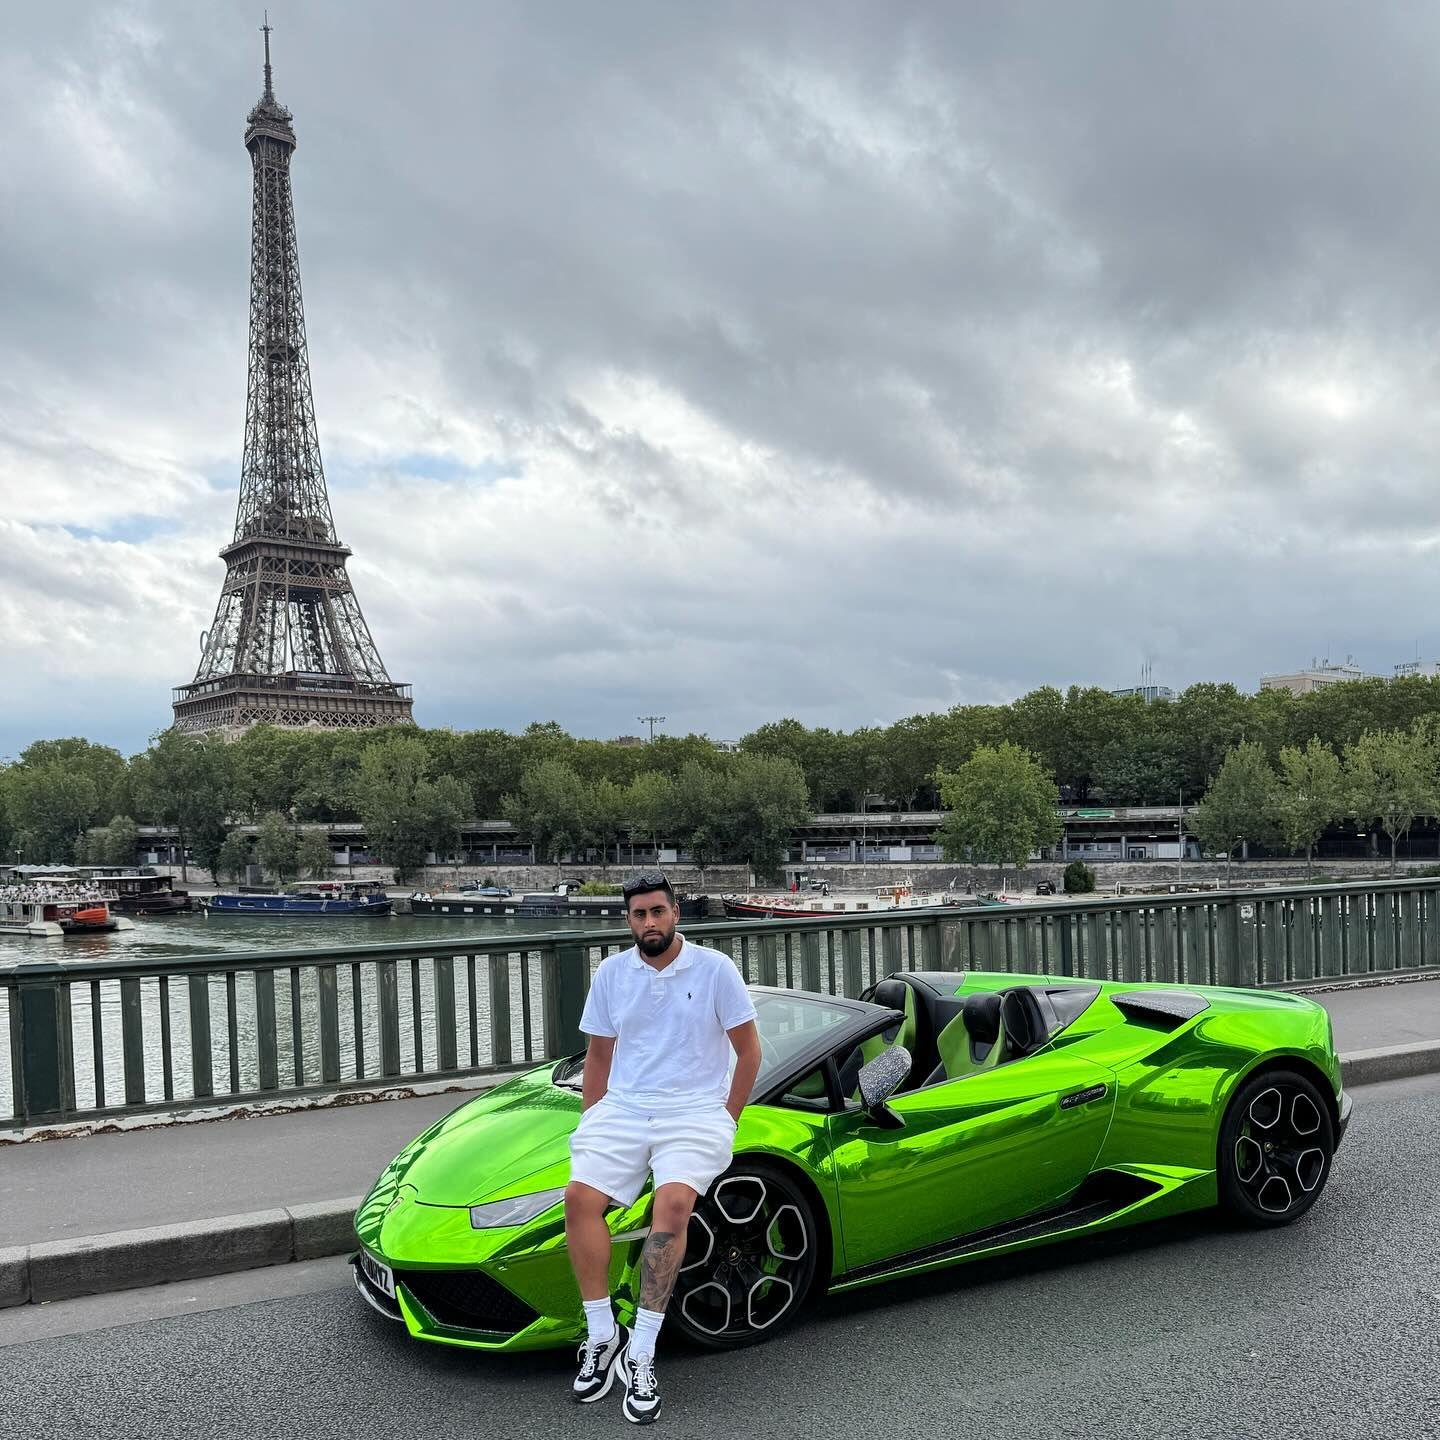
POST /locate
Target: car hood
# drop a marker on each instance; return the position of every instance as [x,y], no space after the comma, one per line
[486,1148]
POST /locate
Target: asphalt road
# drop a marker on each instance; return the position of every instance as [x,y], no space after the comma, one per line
[1330,1328]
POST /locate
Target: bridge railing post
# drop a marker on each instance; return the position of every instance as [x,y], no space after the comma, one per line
[41,1051]
[564,981]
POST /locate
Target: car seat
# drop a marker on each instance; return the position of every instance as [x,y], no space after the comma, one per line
[893,995]
[974,1040]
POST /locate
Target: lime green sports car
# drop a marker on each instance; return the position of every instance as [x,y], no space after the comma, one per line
[941,1118]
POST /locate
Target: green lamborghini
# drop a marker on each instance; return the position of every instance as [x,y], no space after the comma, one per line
[939,1119]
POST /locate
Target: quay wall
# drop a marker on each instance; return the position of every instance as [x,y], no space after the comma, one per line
[960,879]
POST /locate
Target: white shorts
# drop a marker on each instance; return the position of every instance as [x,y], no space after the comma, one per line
[614,1148]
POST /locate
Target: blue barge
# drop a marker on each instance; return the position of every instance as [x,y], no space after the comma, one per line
[324,897]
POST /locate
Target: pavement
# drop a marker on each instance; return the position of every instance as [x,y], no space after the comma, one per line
[1181,1330]
[114,1211]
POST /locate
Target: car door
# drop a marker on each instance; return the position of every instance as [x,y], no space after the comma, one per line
[970,1154]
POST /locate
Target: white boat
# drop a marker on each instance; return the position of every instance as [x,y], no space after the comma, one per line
[821,904]
[50,907]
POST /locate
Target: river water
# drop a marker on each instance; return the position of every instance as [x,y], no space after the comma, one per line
[227,936]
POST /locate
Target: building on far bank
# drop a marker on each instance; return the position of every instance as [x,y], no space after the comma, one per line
[1320,674]
[1148,693]
[1417,670]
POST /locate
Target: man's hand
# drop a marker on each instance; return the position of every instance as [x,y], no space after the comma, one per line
[598,1055]
[745,1039]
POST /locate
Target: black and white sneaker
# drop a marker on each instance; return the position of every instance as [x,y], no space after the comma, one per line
[597,1367]
[641,1405]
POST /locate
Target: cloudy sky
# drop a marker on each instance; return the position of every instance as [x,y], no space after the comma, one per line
[734,361]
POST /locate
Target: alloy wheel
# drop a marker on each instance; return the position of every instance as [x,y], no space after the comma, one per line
[749,1260]
[1276,1147]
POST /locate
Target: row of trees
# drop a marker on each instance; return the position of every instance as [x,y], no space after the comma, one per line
[1001,804]
[1094,744]
[1388,778]
[411,788]
[721,806]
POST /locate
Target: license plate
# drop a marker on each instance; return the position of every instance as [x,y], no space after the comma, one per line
[378,1275]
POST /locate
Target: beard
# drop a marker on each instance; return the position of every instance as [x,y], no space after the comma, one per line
[657,944]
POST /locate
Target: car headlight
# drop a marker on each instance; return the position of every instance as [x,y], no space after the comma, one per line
[515,1211]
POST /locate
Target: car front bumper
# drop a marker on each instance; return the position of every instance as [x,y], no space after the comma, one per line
[1347,1105]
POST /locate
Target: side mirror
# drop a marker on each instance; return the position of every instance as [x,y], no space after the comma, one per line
[879,1079]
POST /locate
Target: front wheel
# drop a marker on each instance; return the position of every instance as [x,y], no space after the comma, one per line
[749,1260]
[1276,1142]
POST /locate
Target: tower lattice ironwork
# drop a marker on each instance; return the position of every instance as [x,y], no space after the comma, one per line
[288,645]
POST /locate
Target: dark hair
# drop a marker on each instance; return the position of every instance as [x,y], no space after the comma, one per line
[644,882]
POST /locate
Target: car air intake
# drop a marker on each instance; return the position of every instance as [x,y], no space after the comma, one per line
[468,1300]
[1165,1009]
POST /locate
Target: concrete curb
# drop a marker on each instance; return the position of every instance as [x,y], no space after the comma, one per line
[128,1259]
[1390,1062]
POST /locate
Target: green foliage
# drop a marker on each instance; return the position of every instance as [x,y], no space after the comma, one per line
[275,845]
[1240,804]
[1391,777]
[185,780]
[405,812]
[550,809]
[1002,807]
[1309,795]
[605,811]
[650,805]
[112,844]
[313,856]
[598,887]
[1079,878]
[232,857]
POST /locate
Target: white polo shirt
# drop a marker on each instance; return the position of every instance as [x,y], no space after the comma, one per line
[671,1049]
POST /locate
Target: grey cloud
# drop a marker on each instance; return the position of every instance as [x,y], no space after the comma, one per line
[871,358]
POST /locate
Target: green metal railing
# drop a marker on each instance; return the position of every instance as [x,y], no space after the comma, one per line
[106,1038]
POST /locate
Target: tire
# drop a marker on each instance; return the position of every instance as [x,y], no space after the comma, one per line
[1276,1143]
[750,1259]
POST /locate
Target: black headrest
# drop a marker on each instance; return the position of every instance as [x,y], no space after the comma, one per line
[982,1017]
[1025,1028]
[890,993]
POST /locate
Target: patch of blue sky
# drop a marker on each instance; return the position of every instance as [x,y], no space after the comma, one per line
[446,469]
[129,529]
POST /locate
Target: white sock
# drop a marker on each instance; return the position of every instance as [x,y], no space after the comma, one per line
[643,1336]
[600,1319]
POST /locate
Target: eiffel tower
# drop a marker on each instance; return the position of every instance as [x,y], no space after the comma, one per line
[288,645]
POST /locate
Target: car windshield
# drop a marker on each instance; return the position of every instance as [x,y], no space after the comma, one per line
[789,1024]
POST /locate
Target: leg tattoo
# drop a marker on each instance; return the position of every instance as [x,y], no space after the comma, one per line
[659,1264]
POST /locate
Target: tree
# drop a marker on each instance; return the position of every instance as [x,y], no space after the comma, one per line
[1208,720]
[184,780]
[275,845]
[1309,795]
[1240,803]
[551,810]
[405,812]
[1002,805]
[113,844]
[767,800]
[313,855]
[233,857]
[606,810]
[701,813]
[1079,878]
[1391,777]
[650,805]
[51,807]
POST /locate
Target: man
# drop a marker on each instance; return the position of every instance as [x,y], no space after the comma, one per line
[659,1099]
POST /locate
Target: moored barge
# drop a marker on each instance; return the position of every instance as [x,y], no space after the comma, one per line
[496,902]
[316,897]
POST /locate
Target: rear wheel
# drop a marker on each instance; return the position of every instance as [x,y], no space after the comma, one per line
[1276,1142]
[749,1260]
